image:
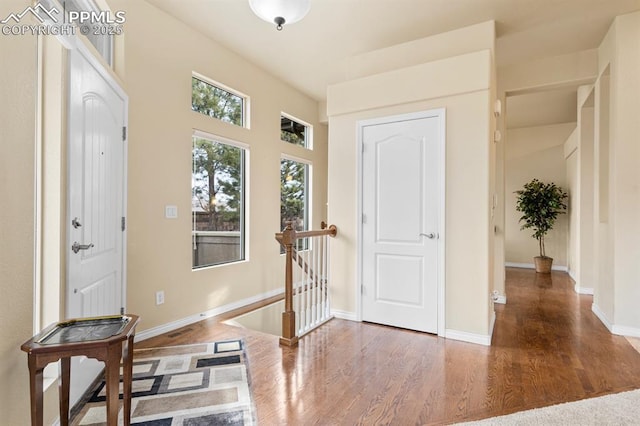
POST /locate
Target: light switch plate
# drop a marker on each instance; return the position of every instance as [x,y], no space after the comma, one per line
[171,212]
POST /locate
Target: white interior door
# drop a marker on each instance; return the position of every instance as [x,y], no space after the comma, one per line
[400,205]
[97,114]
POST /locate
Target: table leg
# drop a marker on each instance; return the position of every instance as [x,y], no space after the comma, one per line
[112,381]
[127,377]
[35,385]
[63,389]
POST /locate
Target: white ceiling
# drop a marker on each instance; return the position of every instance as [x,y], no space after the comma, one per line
[313,53]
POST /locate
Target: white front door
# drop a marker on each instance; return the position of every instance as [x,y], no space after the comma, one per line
[95,250]
[400,205]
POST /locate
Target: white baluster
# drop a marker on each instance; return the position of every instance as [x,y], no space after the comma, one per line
[296,293]
[327,280]
[314,299]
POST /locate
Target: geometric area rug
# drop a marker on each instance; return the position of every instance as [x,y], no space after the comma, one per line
[190,385]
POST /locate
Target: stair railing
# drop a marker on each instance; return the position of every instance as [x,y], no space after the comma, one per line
[306,295]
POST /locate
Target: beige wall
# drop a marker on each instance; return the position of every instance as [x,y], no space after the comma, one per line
[585,275]
[617,126]
[18,77]
[604,291]
[160,55]
[550,72]
[464,90]
[440,46]
[534,152]
[626,169]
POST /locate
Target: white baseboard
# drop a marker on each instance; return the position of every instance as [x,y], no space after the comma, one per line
[577,287]
[349,316]
[620,330]
[623,330]
[583,290]
[174,325]
[602,317]
[560,268]
[463,336]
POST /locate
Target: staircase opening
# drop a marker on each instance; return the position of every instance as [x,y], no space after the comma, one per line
[267,319]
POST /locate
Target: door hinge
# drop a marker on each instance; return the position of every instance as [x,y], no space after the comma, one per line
[364,218]
[123,223]
[362,289]
[124,133]
[122,310]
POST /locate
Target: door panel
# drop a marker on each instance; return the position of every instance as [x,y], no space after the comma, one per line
[100,167]
[99,297]
[405,269]
[400,207]
[398,176]
[95,255]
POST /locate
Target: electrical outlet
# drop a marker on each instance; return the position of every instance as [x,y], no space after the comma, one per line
[159,297]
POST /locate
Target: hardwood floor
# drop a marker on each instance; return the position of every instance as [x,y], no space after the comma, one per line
[548,347]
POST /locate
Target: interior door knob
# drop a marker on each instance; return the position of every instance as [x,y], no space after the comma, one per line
[430,235]
[76,247]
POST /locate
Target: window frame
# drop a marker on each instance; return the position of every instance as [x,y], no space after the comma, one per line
[244,210]
[104,43]
[308,131]
[246,100]
[307,186]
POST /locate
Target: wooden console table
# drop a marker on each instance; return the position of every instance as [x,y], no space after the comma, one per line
[106,339]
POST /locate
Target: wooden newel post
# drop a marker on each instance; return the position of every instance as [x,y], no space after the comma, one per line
[289,337]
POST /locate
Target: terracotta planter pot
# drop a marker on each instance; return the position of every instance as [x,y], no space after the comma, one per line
[543,264]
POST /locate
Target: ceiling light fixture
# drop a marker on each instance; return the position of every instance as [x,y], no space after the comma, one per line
[280,12]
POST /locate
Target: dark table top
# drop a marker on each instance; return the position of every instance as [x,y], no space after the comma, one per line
[82,332]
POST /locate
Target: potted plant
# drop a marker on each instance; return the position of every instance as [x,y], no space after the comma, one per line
[540,204]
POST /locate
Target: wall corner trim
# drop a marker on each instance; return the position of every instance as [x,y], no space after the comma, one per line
[344,315]
[583,290]
[463,336]
[602,317]
[492,325]
[174,325]
[572,275]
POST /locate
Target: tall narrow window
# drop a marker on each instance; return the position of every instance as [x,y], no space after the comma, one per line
[217,102]
[217,183]
[100,36]
[295,131]
[294,194]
